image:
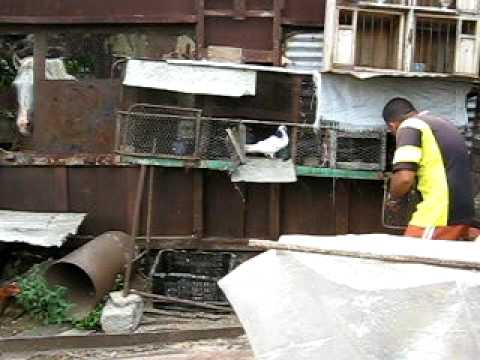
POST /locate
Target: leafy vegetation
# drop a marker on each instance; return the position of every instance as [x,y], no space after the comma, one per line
[45,303]
[50,305]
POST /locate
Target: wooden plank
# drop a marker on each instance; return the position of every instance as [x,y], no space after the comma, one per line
[277,32]
[237,146]
[40,53]
[224,53]
[50,343]
[200,28]
[410,259]
[257,56]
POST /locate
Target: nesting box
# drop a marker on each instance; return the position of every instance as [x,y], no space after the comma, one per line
[357,150]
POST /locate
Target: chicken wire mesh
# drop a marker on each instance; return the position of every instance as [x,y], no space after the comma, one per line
[158,131]
[213,139]
[183,133]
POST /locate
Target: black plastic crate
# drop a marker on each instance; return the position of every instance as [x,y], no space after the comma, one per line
[215,264]
[186,286]
[191,275]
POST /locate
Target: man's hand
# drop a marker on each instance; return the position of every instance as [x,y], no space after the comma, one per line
[392,205]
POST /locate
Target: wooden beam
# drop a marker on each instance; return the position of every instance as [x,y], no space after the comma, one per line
[409,259]
[237,146]
[277,32]
[200,28]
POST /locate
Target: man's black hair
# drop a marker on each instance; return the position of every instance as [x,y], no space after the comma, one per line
[396,108]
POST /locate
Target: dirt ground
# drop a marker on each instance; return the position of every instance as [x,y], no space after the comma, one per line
[221,349]
[15,324]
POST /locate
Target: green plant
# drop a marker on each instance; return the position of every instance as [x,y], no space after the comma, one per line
[92,320]
[45,303]
[50,304]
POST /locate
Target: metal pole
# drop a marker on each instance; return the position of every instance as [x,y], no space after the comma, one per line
[135,225]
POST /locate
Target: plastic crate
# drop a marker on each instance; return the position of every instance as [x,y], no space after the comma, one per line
[191,275]
[191,287]
[215,264]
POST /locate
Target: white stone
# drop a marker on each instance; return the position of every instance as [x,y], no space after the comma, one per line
[122,314]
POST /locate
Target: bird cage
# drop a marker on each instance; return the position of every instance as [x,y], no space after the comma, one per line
[361,149]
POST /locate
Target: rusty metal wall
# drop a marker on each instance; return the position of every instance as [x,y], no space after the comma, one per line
[301,12]
[229,212]
[91,11]
[76,116]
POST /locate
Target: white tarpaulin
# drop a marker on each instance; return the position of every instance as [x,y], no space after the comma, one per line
[191,79]
[38,229]
[359,103]
[305,306]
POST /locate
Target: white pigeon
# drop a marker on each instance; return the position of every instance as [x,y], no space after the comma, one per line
[271,145]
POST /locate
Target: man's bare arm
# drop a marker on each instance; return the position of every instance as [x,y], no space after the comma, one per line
[401,183]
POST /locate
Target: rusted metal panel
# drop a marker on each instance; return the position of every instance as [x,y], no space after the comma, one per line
[365,208]
[304,12]
[219,4]
[107,193]
[257,211]
[102,192]
[308,207]
[260,4]
[76,116]
[91,11]
[172,210]
[223,206]
[251,33]
[27,189]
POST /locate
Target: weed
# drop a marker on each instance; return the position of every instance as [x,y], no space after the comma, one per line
[45,303]
[50,305]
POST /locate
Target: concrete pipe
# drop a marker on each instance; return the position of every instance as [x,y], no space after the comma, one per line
[89,272]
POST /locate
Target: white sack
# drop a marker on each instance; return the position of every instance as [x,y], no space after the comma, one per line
[300,306]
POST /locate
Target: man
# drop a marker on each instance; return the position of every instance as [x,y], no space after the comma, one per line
[431,152]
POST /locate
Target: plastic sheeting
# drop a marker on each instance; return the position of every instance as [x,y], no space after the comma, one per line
[191,79]
[306,306]
[357,103]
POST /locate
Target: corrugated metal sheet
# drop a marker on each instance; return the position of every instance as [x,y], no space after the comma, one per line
[39,229]
[305,51]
